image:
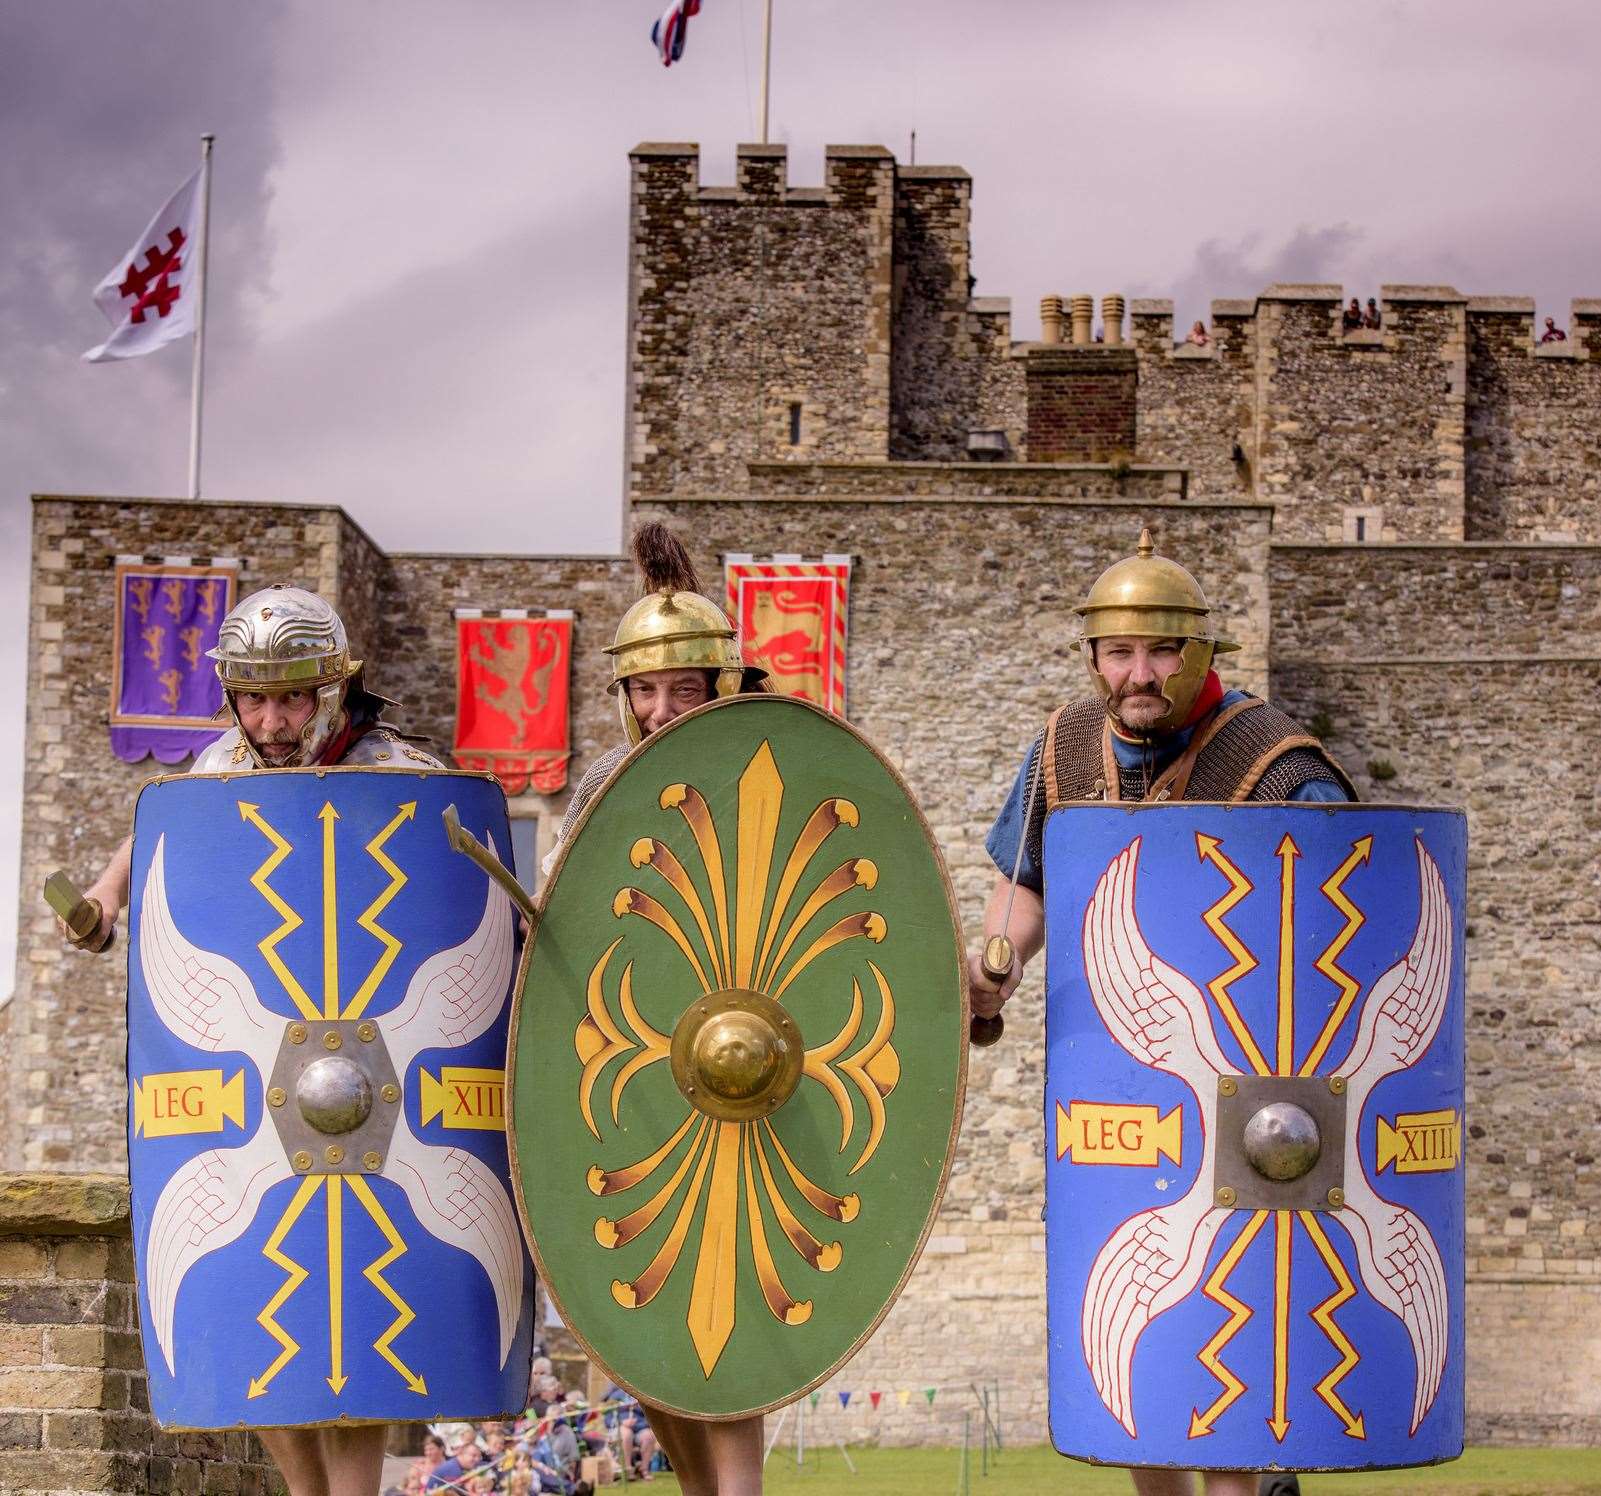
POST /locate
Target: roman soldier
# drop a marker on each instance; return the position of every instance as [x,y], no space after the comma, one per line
[296,698]
[1161,726]
[675,650]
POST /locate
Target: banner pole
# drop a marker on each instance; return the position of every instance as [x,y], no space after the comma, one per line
[197,376]
[767,61]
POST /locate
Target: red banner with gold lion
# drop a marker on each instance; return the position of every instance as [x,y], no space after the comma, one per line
[512,674]
[791,618]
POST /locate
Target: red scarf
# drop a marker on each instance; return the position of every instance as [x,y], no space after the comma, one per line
[1207,701]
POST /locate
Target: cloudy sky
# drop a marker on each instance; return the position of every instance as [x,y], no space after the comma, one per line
[419,212]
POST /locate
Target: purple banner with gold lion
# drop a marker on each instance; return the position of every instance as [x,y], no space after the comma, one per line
[165,694]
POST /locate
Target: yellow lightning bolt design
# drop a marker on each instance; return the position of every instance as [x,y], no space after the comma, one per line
[373,1273]
[1283,1229]
[368,918]
[291,921]
[1333,889]
[297,1276]
[1209,849]
[1323,1314]
[1239,1313]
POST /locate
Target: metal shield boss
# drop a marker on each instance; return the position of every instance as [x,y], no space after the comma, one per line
[738,1057]
[1254,1170]
[318,1004]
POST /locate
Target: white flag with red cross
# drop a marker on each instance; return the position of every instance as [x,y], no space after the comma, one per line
[151,294]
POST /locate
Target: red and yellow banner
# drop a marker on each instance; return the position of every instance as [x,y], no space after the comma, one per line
[512,676]
[791,616]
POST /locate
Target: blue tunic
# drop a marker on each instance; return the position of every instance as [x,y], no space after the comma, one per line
[1001,843]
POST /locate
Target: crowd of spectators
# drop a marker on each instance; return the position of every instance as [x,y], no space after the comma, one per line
[543,1451]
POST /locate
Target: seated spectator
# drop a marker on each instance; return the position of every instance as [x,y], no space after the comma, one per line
[1370,318]
[1198,335]
[627,1418]
[1353,315]
[546,1465]
[1553,333]
[465,1456]
[547,1390]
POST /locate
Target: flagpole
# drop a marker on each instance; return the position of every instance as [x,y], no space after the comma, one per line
[767,61]
[197,377]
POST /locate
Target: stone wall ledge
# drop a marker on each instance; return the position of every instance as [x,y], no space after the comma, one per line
[935,173]
[1108,501]
[1288,291]
[1522,305]
[1384,547]
[63,1204]
[124,501]
[1447,294]
[1391,662]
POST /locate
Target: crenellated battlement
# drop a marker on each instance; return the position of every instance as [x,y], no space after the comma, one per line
[846,331]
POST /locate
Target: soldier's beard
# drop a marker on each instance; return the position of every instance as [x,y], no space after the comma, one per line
[278,747]
[1139,708]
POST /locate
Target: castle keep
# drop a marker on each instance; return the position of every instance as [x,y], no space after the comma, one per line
[1401,526]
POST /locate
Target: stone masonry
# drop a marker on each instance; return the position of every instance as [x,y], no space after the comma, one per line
[1401,527]
[74,1411]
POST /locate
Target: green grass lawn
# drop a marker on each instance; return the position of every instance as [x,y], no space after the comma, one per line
[1039,1469]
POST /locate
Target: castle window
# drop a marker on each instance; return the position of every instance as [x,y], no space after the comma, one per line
[1362,524]
[794,423]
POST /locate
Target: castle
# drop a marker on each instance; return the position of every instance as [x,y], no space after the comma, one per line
[1401,526]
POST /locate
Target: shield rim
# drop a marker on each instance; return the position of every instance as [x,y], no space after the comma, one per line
[1132,807]
[321,771]
[634,753]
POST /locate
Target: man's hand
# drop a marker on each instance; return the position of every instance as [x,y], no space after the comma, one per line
[100,937]
[988,997]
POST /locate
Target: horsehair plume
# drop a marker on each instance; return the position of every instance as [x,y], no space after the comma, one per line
[662,560]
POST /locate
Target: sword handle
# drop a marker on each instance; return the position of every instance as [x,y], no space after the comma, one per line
[996,964]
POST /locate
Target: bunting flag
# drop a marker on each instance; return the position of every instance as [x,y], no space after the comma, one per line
[165,695]
[904,1396]
[844,1399]
[929,1392]
[816,1396]
[874,1398]
[791,617]
[512,678]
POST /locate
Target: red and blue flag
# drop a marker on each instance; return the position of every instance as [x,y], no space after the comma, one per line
[670,31]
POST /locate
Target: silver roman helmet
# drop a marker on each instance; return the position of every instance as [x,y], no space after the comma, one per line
[285,638]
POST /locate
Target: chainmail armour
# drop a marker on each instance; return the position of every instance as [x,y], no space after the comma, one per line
[1248,752]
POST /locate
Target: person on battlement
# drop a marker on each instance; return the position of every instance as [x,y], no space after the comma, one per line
[1161,727]
[296,699]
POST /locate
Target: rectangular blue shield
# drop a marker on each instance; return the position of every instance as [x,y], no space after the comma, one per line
[318,1001]
[1254,1171]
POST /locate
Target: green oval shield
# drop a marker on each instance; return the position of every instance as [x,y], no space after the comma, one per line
[753,881]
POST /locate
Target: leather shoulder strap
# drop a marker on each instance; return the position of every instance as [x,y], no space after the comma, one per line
[1073,766]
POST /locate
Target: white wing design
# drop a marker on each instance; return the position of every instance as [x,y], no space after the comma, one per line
[1403,1012]
[456,994]
[1156,1013]
[207,1204]
[1401,1268]
[203,997]
[1150,1263]
[1396,1254]
[456,1198]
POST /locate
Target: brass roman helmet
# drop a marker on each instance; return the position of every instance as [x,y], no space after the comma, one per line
[673,626]
[1153,597]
